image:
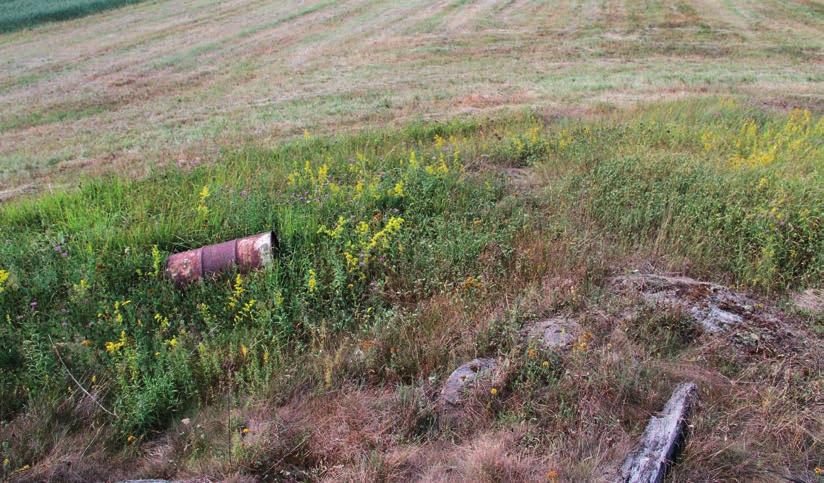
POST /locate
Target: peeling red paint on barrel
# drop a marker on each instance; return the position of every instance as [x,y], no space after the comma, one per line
[244,253]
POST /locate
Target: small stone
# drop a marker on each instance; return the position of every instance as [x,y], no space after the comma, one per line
[463,376]
[557,333]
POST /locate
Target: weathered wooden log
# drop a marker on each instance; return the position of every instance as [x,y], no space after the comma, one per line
[662,439]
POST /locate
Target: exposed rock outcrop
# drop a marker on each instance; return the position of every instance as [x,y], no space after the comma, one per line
[715,307]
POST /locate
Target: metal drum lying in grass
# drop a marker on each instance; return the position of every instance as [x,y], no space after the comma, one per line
[244,253]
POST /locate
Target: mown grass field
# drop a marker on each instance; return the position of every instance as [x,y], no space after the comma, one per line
[21,14]
[167,82]
[403,253]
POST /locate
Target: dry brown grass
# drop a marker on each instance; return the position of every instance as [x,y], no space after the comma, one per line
[759,416]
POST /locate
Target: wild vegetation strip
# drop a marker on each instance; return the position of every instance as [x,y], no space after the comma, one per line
[174,82]
[22,14]
[403,253]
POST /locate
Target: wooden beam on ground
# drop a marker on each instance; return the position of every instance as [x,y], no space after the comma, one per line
[650,460]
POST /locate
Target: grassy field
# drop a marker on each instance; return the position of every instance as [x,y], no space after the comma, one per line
[439,175]
[20,14]
[168,82]
[403,253]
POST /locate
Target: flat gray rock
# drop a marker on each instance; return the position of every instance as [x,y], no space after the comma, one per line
[650,460]
[557,333]
[715,307]
[462,377]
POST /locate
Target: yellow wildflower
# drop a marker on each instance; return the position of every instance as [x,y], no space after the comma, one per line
[382,237]
[292,179]
[246,310]
[583,341]
[545,364]
[112,347]
[533,134]
[335,232]
[237,292]
[162,321]
[362,229]
[81,288]
[493,391]
[707,140]
[243,350]
[313,281]
[351,261]
[118,316]
[202,209]
[172,342]
[471,282]
[155,261]
[398,189]
[323,174]
[4,277]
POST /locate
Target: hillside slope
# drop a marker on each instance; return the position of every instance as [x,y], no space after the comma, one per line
[404,254]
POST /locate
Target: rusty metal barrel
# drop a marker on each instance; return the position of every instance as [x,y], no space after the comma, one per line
[244,253]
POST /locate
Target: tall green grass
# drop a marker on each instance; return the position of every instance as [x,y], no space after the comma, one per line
[735,190]
[21,14]
[361,222]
